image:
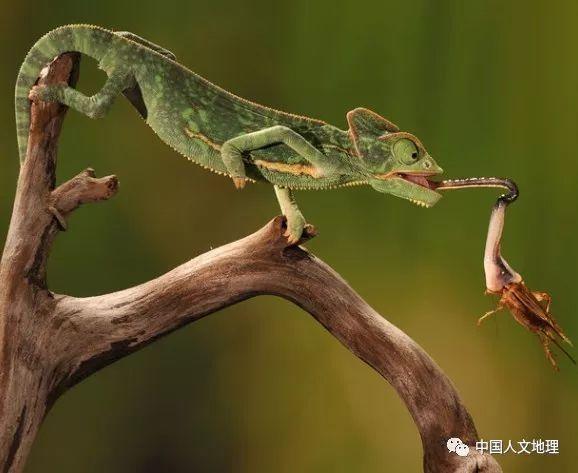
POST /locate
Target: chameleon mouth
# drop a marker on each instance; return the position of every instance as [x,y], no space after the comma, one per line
[423,191]
[417,187]
[418,179]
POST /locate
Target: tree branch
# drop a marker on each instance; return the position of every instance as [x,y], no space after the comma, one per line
[84,188]
[50,342]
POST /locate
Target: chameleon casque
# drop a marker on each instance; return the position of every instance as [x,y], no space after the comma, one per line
[228,134]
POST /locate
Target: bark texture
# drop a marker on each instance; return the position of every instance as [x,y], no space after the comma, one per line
[49,342]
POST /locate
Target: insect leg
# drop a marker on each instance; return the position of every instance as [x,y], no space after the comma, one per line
[489,313]
[546,346]
[543,296]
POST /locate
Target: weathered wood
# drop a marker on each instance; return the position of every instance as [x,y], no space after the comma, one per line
[50,342]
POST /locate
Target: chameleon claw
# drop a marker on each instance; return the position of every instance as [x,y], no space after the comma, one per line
[291,239]
[239,182]
[35,93]
[45,93]
[294,237]
[296,228]
[309,231]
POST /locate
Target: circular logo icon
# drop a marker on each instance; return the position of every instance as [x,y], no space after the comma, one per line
[453,443]
[458,447]
[462,450]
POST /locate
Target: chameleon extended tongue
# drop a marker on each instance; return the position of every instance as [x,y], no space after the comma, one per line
[486,182]
[527,307]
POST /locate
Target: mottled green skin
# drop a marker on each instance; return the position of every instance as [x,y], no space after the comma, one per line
[197,119]
[178,100]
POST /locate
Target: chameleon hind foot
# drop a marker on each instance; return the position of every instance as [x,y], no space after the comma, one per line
[46,93]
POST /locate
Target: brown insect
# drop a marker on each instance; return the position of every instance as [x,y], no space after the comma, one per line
[531,309]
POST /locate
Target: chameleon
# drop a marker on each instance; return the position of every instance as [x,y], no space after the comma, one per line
[228,134]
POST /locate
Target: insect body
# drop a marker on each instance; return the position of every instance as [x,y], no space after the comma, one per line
[531,309]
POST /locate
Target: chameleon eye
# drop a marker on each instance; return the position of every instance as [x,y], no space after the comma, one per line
[406,151]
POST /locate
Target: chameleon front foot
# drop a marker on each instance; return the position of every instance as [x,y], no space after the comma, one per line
[239,182]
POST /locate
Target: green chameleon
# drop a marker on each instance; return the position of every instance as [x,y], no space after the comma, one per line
[225,133]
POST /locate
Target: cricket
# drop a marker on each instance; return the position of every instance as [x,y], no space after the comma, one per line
[531,309]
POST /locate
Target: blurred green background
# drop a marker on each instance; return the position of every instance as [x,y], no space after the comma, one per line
[490,87]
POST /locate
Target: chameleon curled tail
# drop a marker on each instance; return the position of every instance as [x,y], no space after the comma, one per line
[86,39]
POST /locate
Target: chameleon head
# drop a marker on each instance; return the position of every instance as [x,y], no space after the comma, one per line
[394,162]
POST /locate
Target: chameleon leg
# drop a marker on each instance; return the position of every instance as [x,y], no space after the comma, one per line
[488,314]
[232,151]
[295,219]
[543,296]
[95,106]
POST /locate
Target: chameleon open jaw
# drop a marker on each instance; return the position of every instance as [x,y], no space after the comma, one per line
[420,179]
